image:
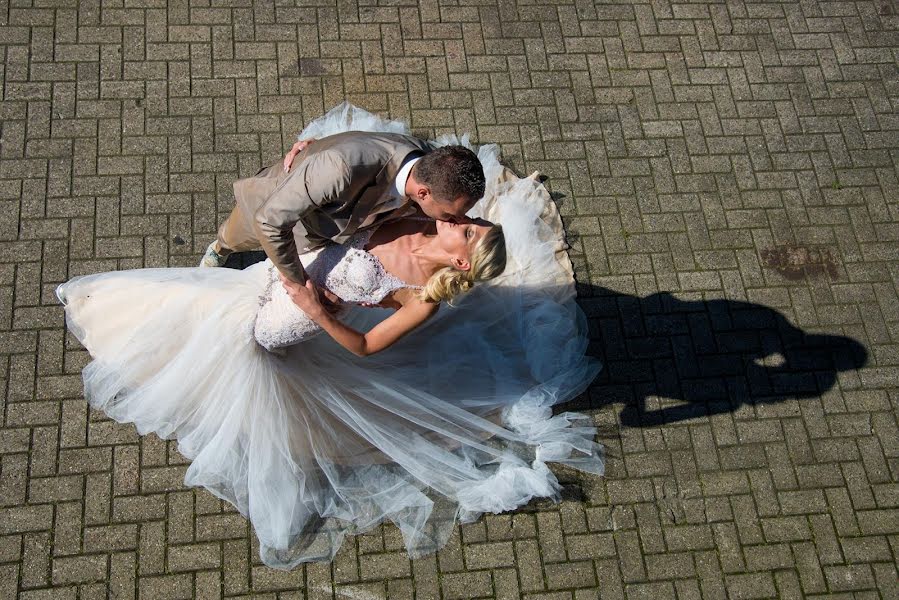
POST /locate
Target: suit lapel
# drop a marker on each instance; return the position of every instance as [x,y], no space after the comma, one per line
[381,191]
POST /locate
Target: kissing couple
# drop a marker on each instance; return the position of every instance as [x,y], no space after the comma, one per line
[395,358]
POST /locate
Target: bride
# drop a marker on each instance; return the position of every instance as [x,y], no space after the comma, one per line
[445,259]
[312,442]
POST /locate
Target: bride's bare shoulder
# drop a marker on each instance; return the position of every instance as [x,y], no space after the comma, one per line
[407,297]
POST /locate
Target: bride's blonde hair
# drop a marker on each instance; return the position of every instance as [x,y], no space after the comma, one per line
[488,260]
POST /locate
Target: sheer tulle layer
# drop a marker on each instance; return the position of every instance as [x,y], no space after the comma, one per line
[316,443]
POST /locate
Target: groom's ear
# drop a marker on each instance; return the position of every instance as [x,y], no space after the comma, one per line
[423,192]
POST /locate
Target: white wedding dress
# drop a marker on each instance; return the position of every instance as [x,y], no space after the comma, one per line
[311,442]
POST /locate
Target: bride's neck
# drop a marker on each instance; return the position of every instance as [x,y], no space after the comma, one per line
[415,248]
[424,250]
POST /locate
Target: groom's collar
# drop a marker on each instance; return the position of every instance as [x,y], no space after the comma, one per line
[402,175]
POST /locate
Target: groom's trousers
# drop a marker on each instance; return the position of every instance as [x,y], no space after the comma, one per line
[238,232]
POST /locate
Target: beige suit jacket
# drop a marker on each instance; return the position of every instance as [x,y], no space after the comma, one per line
[333,186]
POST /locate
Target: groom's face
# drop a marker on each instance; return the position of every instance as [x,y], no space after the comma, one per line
[452,211]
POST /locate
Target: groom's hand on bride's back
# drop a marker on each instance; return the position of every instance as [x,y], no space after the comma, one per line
[292,153]
[309,297]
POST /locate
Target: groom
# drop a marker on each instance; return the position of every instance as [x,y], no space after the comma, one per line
[344,183]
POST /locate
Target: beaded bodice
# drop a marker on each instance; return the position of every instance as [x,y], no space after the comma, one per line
[348,270]
[351,273]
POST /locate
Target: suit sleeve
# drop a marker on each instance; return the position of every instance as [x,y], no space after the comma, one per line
[317,181]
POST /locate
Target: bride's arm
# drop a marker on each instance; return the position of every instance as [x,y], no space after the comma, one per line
[413,313]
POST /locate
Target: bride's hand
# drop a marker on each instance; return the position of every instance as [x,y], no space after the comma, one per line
[291,154]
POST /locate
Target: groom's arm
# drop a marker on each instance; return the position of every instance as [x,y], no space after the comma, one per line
[317,181]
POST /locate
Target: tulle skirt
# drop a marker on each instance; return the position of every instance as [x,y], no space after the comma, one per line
[314,443]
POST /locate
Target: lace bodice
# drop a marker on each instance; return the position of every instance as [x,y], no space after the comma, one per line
[352,274]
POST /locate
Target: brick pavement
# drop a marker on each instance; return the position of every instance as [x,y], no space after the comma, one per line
[728,176]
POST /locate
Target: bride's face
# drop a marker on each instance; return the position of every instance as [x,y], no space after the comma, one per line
[459,239]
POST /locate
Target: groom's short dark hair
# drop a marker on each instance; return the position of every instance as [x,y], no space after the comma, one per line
[450,172]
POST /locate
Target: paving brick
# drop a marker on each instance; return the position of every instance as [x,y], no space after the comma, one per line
[166,586]
[650,590]
[756,585]
[265,579]
[377,566]
[490,555]
[473,584]
[79,569]
[570,575]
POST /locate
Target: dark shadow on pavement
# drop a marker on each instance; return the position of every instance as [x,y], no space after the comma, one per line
[710,356]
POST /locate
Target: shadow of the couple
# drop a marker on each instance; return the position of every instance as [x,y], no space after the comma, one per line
[708,356]
[669,360]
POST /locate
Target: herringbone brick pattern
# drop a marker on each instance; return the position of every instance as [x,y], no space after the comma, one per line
[728,176]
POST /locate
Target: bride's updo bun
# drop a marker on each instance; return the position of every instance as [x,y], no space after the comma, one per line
[488,260]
